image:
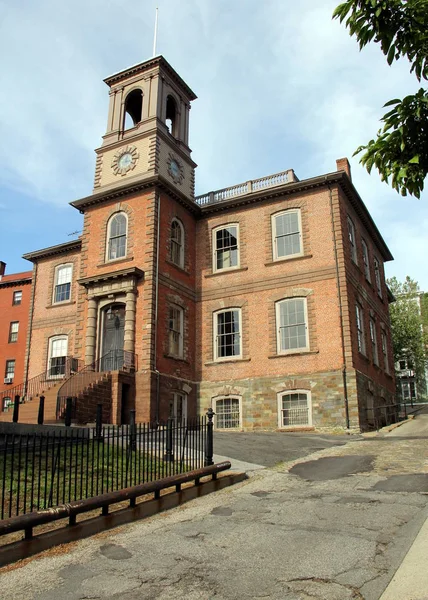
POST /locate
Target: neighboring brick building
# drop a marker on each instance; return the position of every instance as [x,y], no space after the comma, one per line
[15,298]
[266,300]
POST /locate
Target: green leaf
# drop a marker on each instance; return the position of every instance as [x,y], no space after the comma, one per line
[414,160]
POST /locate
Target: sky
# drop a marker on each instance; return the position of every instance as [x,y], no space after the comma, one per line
[279,84]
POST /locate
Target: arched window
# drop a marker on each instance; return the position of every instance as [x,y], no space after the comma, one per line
[133,109]
[294,409]
[116,236]
[57,357]
[177,243]
[171,116]
[227,412]
[62,283]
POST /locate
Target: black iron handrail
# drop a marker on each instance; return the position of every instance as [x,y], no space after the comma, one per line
[36,386]
[114,360]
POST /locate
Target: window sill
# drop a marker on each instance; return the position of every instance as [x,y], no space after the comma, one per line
[363,356]
[217,363]
[225,271]
[297,353]
[115,261]
[292,428]
[173,264]
[177,358]
[287,259]
[58,304]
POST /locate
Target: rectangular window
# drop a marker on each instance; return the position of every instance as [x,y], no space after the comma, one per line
[384,351]
[17,297]
[13,331]
[377,276]
[175,324]
[227,329]
[294,409]
[57,357]
[366,261]
[352,240]
[373,340]
[291,320]
[10,369]
[178,407]
[360,329]
[287,234]
[227,413]
[226,248]
[63,275]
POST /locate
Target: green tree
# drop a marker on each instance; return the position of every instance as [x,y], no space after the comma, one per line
[400,27]
[409,338]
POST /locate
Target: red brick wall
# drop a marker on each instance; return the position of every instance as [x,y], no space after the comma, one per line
[260,282]
[51,319]
[9,312]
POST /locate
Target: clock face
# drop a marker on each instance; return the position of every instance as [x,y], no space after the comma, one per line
[125,160]
[175,169]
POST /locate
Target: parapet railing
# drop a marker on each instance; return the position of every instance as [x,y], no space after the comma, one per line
[241,189]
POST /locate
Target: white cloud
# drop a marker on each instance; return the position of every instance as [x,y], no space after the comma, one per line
[280,86]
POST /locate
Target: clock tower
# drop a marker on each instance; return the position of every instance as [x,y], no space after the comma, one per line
[147,129]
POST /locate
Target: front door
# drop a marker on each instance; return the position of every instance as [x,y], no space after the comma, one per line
[113,336]
[178,407]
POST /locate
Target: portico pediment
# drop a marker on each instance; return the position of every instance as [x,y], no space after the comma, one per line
[113,282]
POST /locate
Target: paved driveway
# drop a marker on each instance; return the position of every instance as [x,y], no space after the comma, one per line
[269,449]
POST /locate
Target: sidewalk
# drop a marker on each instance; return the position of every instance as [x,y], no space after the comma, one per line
[410,582]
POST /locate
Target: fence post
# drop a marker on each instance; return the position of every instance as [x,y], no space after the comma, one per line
[99,422]
[16,409]
[68,411]
[169,454]
[209,445]
[132,431]
[41,415]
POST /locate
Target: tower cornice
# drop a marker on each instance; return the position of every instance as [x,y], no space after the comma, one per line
[157,61]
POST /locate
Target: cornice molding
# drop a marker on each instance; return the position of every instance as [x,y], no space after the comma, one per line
[64,248]
[111,276]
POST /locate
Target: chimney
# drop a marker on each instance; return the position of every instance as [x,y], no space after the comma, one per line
[2,268]
[343,165]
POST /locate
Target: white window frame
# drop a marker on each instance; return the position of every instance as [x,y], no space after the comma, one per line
[280,396]
[217,269]
[373,341]
[13,332]
[361,338]
[378,278]
[215,334]
[216,411]
[17,294]
[274,217]
[278,326]
[384,342]
[109,237]
[52,340]
[174,333]
[177,247]
[352,240]
[173,406]
[69,280]
[366,260]
[10,372]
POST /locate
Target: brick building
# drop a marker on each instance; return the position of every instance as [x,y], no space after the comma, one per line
[265,300]
[15,296]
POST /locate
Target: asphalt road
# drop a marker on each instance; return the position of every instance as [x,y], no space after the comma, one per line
[334,526]
[269,449]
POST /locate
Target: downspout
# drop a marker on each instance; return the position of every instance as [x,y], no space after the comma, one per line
[30,327]
[345,385]
[156,312]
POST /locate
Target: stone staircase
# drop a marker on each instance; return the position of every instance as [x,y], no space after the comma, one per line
[99,391]
[29,410]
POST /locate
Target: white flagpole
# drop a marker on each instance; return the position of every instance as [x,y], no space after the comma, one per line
[156,33]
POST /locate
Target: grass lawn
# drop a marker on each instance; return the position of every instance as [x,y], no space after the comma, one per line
[33,478]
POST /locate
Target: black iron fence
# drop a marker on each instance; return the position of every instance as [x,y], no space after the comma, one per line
[42,470]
